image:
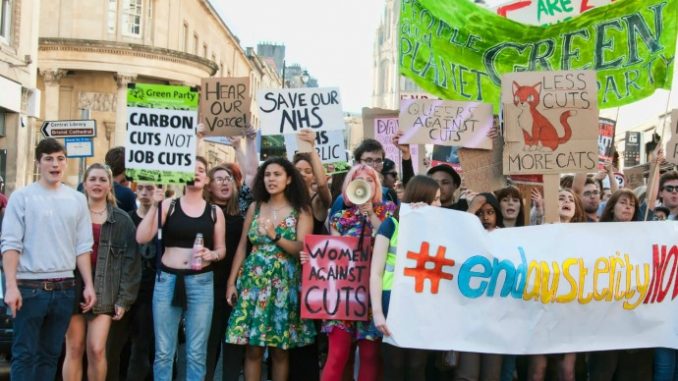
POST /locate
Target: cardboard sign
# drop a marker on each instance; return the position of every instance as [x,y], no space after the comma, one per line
[161,133]
[672,145]
[447,123]
[285,111]
[335,281]
[605,140]
[330,145]
[530,290]
[225,105]
[482,168]
[551,122]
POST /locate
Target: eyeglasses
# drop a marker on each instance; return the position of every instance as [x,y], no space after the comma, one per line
[223,180]
[591,193]
[671,188]
[371,161]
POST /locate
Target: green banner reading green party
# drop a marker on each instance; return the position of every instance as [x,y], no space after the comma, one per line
[161,133]
[457,50]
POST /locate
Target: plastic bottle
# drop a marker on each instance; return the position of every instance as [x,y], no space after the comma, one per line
[196,260]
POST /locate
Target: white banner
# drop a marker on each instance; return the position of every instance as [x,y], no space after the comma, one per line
[330,145]
[554,288]
[285,111]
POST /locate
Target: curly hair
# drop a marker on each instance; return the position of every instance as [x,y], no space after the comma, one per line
[296,192]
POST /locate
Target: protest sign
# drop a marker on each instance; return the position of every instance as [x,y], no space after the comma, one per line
[529,290]
[550,122]
[635,176]
[385,129]
[285,111]
[447,123]
[335,281]
[630,45]
[543,12]
[161,133]
[225,105]
[605,141]
[672,145]
[632,148]
[482,168]
[330,145]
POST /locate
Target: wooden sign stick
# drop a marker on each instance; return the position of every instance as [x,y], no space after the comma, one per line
[551,189]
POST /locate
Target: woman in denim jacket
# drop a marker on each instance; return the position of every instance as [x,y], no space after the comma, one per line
[117,273]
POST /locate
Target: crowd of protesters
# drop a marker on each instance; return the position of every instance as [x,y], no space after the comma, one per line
[86,271]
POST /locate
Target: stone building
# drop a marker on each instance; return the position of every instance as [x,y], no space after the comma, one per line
[89,51]
[19,98]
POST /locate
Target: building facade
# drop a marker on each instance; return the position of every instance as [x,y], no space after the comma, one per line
[19,98]
[89,51]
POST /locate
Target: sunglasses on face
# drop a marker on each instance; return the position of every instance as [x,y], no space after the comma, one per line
[671,188]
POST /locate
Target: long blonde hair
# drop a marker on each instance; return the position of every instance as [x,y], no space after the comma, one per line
[110,197]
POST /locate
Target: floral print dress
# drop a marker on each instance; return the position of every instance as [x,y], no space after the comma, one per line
[267,311]
[348,223]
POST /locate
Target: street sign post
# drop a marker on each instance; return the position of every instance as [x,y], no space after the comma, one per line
[69,129]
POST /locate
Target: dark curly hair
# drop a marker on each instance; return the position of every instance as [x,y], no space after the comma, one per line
[295,192]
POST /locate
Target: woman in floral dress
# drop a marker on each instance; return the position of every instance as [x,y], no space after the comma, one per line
[266,297]
[362,219]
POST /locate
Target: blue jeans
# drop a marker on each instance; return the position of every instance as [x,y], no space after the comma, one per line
[39,329]
[665,364]
[198,319]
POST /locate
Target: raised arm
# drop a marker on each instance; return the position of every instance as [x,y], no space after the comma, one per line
[149,225]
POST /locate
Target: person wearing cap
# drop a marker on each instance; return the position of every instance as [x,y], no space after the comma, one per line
[449,180]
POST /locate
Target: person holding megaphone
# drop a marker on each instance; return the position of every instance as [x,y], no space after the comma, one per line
[362,217]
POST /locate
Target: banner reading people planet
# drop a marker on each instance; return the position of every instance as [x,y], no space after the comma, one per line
[630,44]
[285,111]
[335,281]
[446,123]
[554,288]
[161,136]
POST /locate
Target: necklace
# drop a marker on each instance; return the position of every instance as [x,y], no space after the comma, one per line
[276,210]
[100,213]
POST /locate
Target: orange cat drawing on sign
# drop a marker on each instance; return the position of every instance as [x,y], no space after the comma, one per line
[538,131]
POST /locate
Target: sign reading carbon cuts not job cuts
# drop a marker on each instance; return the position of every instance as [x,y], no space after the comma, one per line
[161,139]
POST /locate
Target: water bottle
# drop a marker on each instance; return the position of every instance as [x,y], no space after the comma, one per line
[196,260]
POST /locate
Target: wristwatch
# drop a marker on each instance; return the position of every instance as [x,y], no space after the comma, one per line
[276,238]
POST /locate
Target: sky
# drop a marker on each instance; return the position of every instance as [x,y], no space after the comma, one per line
[334,41]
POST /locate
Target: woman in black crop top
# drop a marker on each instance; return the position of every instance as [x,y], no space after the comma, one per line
[313,173]
[179,289]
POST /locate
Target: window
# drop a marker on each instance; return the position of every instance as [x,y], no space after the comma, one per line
[5,20]
[195,44]
[184,47]
[112,15]
[131,17]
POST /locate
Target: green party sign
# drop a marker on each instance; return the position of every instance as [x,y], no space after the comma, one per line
[457,50]
[161,133]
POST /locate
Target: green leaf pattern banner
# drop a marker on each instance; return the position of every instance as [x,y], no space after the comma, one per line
[459,51]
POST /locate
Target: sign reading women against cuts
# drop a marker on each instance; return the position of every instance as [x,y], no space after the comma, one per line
[225,105]
[335,281]
[551,122]
[160,144]
[285,111]
[446,123]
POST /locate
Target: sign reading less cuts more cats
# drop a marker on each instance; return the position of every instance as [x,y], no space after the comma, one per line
[551,122]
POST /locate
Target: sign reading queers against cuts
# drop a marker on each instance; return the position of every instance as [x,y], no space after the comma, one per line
[160,144]
[335,281]
[531,290]
[446,123]
[285,111]
[551,122]
[225,105]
